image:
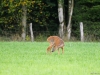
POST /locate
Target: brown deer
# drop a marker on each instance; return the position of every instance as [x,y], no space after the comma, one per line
[55,43]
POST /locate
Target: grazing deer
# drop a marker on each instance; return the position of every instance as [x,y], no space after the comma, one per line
[55,43]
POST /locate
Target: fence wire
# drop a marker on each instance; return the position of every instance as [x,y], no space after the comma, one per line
[7,35]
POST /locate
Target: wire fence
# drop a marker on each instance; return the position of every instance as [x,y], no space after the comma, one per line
[6,35]
[15,34]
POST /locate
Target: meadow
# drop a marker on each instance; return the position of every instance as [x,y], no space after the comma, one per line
[30,58]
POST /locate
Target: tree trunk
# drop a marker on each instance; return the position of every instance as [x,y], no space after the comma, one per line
[31,32]
[24,22]
[81,32]
[71,4]
[61,18]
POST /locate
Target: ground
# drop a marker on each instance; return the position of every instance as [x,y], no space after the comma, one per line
[30,58]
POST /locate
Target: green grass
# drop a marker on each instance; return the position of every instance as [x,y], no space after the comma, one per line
[27,58]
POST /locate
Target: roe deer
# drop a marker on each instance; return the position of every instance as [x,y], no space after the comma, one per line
[55,43]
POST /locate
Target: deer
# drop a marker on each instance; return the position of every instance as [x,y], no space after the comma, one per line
[55,43]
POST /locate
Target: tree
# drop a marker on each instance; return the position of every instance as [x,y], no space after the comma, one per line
[24,13]
[61,18]
[71,4]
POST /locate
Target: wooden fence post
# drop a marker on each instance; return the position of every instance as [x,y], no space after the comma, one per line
[81,32]
[31,32]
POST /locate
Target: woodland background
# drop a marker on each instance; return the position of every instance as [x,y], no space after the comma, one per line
[43,14]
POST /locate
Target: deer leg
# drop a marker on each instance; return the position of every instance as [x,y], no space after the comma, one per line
[49,48]
[58,51]
[62,50]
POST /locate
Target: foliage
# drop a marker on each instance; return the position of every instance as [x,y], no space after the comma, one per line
[38,12]
[11,13]
[87,11]
[43,17]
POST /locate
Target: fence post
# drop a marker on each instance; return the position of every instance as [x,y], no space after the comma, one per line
[31,32]
[81,32]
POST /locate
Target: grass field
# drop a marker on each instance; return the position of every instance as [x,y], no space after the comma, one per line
[27,58]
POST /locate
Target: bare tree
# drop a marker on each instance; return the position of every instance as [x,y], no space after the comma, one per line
[61,17]
[24,22]
[71,5]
